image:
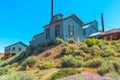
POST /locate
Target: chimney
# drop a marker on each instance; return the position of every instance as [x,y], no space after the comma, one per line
[102,20]
[52,9]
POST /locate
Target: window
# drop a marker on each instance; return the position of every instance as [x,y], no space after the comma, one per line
[9,49]
[13,49]
[19,49]
[57,31]
[71,30]
[47,33]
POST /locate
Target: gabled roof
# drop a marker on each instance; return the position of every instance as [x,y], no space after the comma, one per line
[18,43]
[113,31]
[91,22]
[73,15]
[53,22]
[88,24]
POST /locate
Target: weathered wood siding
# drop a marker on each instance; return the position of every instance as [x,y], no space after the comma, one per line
[38,40]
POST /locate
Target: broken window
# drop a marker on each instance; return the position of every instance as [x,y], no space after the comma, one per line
[19,49]
[13,49]
[71,30]
[57,31]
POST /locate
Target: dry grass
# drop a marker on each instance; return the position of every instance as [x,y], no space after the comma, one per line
[1,55]
[51,53]
[90,70]
[42,74]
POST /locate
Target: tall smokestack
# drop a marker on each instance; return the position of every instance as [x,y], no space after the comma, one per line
[52,9]
[102,20]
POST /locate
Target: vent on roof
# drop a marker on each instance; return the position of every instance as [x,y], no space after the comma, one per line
[52,9]
[102,20]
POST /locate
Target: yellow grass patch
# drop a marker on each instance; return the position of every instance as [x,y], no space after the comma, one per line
[1,55]
[91,70]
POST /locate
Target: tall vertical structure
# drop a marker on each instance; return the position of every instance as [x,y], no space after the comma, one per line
[102,20]
[52,9]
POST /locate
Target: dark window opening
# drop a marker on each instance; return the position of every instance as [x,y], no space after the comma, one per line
[9,49]
[19,49]
[13,49]
[71,30]
[47,33]
[57,31]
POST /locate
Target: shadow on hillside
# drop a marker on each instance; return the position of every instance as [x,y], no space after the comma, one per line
[51,47]
[48,53]
[59,55]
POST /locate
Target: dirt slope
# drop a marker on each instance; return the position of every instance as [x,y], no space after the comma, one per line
[51,53]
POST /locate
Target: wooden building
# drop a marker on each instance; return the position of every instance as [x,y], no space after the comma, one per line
[113,34]
[15,48]
[65,28]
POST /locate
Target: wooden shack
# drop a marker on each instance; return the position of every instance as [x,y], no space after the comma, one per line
[113,34]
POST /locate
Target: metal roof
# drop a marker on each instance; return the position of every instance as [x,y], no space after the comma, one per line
[86,26]
[72,15]
[95,34]
[113,31]
[18,43]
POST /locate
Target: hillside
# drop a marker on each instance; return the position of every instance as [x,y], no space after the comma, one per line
[51,53]
[93,57]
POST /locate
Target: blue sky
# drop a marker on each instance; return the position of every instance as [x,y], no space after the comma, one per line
[20,20]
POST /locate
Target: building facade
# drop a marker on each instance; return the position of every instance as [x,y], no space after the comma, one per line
[65,28]
[15,48]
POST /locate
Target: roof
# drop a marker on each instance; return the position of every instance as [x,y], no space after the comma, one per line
[38,34]
[53,22]
[18,43]
[88,24]
[91,22]
[113,31]
[95,34]
[77,18]
[73,15]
